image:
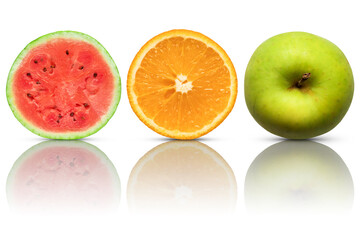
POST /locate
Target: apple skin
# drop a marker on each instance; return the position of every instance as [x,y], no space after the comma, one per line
[292,112]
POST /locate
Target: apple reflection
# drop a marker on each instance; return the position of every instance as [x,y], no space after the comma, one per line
[298,177]
[182,177]
[63,177]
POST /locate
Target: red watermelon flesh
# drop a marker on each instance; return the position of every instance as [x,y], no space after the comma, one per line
[64,86]
[63,176]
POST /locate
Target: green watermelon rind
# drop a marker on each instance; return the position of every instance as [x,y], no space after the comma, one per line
[58,143]
[71,134]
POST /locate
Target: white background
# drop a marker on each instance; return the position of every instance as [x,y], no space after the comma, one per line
[123,27]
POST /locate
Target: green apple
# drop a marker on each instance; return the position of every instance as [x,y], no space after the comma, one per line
[298,85]
[300,177]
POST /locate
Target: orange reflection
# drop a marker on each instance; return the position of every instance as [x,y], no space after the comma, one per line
[182,177]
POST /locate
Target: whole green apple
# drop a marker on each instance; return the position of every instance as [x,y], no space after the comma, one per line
[298,85]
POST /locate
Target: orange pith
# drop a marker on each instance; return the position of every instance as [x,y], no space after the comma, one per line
[182,84]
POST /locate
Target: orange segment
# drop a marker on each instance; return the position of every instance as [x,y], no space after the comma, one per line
[185,177]
[181,84]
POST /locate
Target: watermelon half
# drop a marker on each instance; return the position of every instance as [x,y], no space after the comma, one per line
[63,177]
[64,85]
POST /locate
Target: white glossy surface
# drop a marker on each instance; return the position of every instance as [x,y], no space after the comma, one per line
[239,27]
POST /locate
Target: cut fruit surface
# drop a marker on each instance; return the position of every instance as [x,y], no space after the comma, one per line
[64,85]
[182,84]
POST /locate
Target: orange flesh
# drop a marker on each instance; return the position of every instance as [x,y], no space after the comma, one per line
[182,84]
[63,85]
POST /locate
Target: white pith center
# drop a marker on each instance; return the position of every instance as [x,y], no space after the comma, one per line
[182,85]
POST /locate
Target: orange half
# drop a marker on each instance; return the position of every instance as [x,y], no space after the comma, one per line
[182,84]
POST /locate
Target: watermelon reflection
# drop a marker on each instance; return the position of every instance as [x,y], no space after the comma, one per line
[63,177]
[298,177]
[182,177]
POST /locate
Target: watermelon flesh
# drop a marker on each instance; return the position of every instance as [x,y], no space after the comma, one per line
[64,87]
[63,177]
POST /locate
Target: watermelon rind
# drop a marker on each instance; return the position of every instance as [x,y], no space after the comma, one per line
[71,144]
[71,134]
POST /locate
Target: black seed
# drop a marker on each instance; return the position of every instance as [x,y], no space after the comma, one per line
[86,105]
[60,116]
[74,119]
[67,52]
[72,114]
[35,61]
[57,121]
[37,82]
[29,95]
[53,66]
[81,68]
[44,69]
[95,75]
[28,74]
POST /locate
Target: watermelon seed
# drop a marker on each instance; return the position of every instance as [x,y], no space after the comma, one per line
[58,121]
[37,82]
[60,116]
[81,68]
[28,74]
[86,105]
[35,61]
[44,69]
[74,119]
[72,114]
[30,96]
[67,52]
[53,66]
[95,75]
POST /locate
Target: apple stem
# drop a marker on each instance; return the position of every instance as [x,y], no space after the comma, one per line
[304,77]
